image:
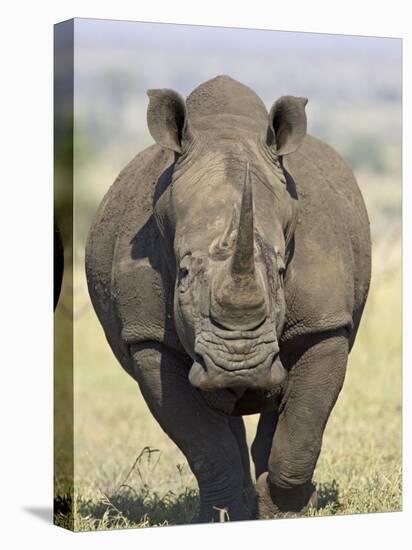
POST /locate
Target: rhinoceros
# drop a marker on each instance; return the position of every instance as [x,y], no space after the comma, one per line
[229,265]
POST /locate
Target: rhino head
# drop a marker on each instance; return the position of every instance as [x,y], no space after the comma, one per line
[226,220]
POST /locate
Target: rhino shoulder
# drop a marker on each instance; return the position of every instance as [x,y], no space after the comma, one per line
[122,264]
[329,273]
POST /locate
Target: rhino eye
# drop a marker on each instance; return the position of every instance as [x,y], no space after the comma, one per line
[183,279]
[281,270]
[183,274]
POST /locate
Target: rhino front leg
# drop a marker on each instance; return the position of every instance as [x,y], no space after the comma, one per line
[314,384]
[204,436]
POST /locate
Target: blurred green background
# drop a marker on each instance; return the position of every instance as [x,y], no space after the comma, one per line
[354,90]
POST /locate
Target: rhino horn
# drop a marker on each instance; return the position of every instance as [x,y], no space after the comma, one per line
[238,298]
[243,262]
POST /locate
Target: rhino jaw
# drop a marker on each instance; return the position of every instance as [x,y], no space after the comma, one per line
[205,375]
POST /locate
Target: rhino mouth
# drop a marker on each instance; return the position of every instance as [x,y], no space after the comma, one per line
[236,358]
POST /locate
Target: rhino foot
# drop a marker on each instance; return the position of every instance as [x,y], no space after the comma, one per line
[215,514]
[274,501]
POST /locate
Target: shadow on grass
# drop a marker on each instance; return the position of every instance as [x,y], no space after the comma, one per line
[127,508]
[328,496]
[63,512]
[170,509]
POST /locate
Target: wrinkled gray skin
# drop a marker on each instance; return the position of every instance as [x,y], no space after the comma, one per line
[229,265]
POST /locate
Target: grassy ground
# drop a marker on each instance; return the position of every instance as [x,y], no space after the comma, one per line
[129,474]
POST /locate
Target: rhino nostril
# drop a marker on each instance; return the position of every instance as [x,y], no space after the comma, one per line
[257,325]
[217,324]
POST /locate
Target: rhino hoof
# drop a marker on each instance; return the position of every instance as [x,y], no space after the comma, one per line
[274,501]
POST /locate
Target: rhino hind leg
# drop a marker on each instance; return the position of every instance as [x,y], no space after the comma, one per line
[238,428]
[263,441]
[315,381]
[208,439]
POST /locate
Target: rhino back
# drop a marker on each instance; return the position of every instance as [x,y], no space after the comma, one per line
[331,266]
[123,266]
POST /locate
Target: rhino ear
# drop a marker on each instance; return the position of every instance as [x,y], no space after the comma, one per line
[167,119]
[287,124]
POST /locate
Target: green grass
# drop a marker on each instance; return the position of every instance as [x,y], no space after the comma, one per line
[128,473]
